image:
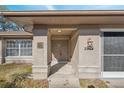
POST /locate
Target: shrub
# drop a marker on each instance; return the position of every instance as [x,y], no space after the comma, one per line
[21,81]
[93,83]
[16,76]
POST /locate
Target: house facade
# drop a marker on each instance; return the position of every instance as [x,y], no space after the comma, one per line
[85,44]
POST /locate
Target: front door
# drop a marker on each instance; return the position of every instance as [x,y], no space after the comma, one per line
[60,50]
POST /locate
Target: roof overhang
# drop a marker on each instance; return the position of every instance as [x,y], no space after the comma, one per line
[66,17]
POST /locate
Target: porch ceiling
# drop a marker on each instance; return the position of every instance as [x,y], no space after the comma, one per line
[67,17]
[63,31]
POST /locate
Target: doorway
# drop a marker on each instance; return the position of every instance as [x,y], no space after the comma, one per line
[63,51]
[60,51]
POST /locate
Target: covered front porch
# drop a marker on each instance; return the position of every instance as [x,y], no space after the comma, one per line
[67,42]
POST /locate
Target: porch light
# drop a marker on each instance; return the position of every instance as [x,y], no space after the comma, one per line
[59,31]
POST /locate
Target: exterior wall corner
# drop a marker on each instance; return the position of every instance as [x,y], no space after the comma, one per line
[40,64]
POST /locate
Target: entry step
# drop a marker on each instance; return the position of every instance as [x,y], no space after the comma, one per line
[70,82]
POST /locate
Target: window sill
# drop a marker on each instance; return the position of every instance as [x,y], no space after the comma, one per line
[19,57]
[113,74]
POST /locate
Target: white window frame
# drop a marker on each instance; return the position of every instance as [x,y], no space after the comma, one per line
[18,48]
[105,74]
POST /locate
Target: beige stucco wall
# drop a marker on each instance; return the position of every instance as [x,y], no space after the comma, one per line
[74,52]
[40,68]
[89,60]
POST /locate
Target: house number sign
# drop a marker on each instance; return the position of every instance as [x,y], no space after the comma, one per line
[40,45]
[89,44]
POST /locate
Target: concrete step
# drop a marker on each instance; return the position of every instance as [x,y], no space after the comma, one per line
[58,82]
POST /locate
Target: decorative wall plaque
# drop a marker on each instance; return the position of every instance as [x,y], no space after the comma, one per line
[89,44]
[40,45]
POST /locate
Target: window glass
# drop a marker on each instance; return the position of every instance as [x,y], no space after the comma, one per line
[19,48]
[114,63]
[113,51]
[114,43]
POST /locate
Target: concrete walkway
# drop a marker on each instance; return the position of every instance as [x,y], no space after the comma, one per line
[62,76]
[64,81]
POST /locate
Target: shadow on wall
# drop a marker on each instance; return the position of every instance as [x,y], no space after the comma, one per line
[40,30]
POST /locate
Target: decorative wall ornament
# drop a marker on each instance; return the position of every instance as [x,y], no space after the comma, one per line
[89,44]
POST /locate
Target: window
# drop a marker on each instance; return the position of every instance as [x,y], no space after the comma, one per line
[19,48]
[113,53]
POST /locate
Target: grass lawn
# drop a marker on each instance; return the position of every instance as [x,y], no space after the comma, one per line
[15,76]
[94,83]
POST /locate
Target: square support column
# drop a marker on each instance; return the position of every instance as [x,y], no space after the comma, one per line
[40,67]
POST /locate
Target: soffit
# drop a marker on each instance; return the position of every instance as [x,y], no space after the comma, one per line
[70,20]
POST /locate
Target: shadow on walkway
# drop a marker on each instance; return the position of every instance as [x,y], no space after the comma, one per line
[56,67]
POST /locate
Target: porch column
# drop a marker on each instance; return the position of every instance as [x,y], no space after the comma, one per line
[1,50]
[40,67]
[89,53]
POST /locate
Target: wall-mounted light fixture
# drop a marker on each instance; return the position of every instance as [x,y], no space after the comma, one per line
[59,31]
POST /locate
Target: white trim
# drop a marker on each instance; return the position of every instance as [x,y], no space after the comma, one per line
[19,58]
[89,66]
[113,55]
[112,29]
[19,49]
[113,74]
[100,53]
